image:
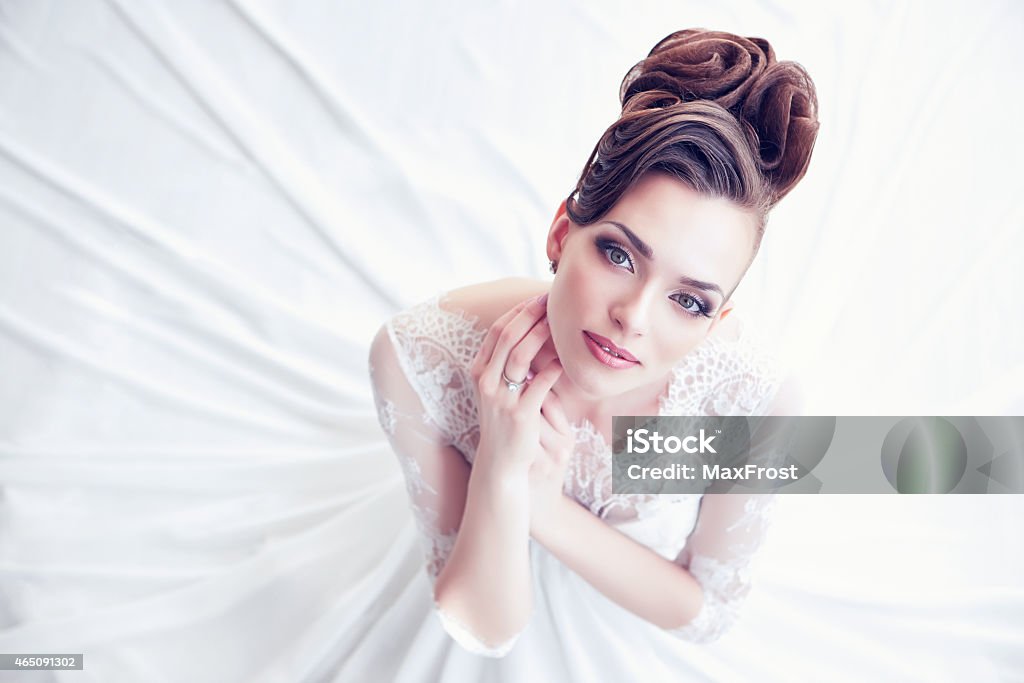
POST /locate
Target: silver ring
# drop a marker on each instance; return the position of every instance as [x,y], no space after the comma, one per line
[512,386]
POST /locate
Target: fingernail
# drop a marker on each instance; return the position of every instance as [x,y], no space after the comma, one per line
[543,300]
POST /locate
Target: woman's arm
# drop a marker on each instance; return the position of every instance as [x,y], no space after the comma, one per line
[475,534]
[487,579]
[485,588]
[627,572]
[477,520]
[697,602]
[697,598]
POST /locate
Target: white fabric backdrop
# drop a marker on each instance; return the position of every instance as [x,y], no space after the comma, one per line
[207,209]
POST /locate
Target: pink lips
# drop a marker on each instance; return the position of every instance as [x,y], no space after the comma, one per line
[604,341]
[605,358]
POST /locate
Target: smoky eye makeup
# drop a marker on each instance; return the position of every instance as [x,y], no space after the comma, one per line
[616,253]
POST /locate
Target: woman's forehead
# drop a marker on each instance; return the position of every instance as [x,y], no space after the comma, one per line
[666,202]
[683,227]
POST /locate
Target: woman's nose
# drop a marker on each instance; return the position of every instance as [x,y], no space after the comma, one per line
[631,314]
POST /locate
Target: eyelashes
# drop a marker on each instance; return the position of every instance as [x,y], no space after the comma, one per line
[608,248]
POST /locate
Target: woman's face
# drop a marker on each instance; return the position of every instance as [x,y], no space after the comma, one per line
[657,307]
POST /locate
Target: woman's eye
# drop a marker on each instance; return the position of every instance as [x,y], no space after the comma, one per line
[690,304]
[618,256]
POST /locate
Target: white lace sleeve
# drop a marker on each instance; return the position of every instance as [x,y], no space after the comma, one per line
[420,447]
[423,395]
[730,529]
[719,555]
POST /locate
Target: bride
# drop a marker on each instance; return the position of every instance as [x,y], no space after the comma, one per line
[497,398]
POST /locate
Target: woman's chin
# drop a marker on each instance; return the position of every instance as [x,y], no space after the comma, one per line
[585,381]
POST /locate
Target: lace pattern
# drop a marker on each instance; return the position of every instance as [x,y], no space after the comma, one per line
[437,348]
[412,433]
[717,378]
[723,378]
[425,397]
[721,563]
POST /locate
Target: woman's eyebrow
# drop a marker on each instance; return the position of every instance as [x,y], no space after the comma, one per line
[646,250]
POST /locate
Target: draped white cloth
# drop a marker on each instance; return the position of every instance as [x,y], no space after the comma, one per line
[208,209]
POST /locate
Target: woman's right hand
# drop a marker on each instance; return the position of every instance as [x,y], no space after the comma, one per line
[510,421]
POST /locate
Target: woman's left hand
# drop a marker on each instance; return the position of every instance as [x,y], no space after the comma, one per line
[547,472]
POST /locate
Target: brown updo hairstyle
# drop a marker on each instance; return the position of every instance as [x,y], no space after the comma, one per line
[713,109]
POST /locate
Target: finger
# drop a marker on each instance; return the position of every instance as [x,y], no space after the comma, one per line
[487,347]
[514,331]
[517,365]
[554,413]
[483,355]
[537,389]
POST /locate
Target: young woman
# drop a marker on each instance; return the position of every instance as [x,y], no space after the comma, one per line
[497,398]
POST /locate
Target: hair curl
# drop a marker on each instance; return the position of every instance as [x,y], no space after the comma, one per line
[713,109]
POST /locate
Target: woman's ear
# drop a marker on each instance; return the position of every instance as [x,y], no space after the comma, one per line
[561,209]
[557,233]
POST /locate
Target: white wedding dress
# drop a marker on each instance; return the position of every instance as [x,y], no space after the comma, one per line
[419,366]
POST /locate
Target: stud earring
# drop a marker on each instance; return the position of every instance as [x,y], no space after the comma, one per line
[554,267]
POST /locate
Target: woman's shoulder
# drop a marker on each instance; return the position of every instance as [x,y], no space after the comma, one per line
[735,371]
[485,302]
[436,340]
[453,323]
